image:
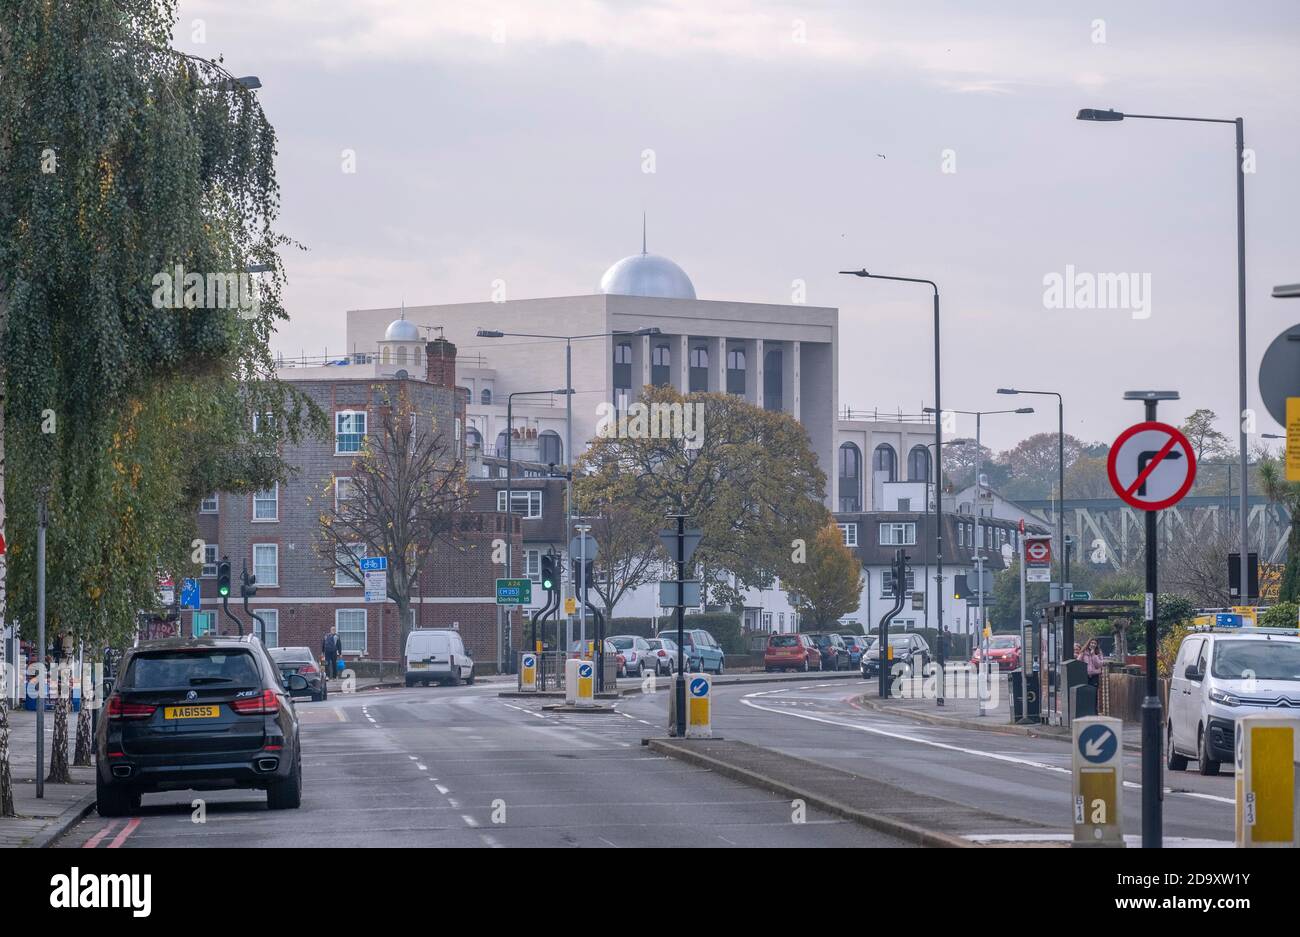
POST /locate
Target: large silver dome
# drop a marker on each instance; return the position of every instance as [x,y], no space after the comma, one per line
[647,275]
[402,330]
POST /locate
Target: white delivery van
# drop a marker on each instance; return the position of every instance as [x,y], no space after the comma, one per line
[437,654]
[1219,675]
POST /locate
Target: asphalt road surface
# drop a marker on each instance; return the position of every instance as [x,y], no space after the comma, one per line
[462,767]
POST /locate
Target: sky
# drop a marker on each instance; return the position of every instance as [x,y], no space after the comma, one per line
[776,143]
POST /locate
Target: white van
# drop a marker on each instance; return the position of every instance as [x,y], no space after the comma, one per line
[1221,674]
[437,654]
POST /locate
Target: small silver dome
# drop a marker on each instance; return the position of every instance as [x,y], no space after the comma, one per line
[647,275]
[402,330]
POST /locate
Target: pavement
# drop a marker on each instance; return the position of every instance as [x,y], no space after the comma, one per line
[40,821]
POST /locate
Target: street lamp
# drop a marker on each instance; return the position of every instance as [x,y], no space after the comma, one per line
[979,533]
[938,484]
[1060,482]
[1091,114]
[568,405]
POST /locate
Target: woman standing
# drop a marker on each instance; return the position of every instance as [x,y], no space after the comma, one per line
[1091,655]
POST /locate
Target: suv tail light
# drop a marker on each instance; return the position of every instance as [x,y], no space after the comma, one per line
[265,705]
[120,710]
[307,668]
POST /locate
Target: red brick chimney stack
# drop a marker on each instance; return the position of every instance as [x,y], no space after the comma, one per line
[440,361]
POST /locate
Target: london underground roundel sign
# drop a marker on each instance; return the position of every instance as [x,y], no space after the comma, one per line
[1151,466]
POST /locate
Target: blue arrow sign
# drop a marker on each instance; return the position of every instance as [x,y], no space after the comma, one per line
[1097,744]
[373,564]
[699,686]
[529,660]
[584,670]
[190,593]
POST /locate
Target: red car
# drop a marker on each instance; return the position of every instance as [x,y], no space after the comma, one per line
[791,652]
[1004,650]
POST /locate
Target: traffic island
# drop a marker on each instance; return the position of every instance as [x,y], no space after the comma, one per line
[906,814]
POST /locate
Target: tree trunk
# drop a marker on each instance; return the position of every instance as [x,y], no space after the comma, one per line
[6,779]
[59,773]
[84,742]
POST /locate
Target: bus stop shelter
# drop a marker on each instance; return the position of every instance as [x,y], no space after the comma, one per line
[1055,650]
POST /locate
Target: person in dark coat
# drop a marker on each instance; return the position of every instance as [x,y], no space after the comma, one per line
[331,647]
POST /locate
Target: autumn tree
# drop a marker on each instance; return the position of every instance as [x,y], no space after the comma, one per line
[121,160]
[827,585]
[745,476]
[401,497]
[1206,439]
[1272,475]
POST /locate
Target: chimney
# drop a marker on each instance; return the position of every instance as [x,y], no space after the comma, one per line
[440,362]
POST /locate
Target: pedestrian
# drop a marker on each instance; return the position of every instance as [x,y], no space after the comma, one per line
[1091,655]
[331,646]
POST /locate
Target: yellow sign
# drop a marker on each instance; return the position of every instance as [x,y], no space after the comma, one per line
[570,605]
[1267,801]
[1246,612]
[1293,439]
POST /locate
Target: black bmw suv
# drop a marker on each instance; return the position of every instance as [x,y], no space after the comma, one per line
[209,713]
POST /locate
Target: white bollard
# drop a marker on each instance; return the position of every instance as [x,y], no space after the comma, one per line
[1267,761]
[698,705]
[571,680]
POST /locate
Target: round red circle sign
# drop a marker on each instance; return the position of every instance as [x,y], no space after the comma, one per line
[1037,550]
[1151,466]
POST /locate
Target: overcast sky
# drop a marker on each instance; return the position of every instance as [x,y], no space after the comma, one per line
[505,140]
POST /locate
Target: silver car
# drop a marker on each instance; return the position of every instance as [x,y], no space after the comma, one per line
[636,654]
[664,653]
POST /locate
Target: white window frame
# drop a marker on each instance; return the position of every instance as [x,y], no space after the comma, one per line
[259,417]
[272,618]
[261,581]
[365,628]
[214,500]
[532,503]
[533,565]
[900,533]
[349,486]
[209,569]
[209,619]
[339,415]
[341,578]
[275,501]
[887,582]
[849,534]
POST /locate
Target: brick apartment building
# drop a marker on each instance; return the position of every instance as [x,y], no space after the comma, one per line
[276,533]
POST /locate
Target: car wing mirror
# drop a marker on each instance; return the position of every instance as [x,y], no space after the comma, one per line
[297,682]
[1191,673]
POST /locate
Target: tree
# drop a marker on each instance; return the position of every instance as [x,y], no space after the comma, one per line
[960,456]
[403,494]
[1004,612]
[137,159]
[1207,441]
[1196,566]
[630,552]
[745,476]
[1034,465]
[1272,476]
[828,585]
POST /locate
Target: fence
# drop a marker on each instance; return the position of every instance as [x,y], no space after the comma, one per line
[1122,694]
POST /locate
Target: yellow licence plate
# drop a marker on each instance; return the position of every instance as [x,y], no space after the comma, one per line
[191,712]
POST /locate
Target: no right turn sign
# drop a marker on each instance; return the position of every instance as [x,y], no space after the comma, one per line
[1151,466]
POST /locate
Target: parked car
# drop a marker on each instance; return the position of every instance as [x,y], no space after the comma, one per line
[208,713]
[437,654]
[299,660]
[857,645]
[909,649]
[664,653]
[835,654]
[1220,675]
[636,654]
[702,652]
[1004,650]
[791,652]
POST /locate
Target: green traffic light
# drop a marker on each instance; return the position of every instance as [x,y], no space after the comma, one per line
[224,590]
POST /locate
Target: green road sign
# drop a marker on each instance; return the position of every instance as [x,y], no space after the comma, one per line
[514,591]
[1078,596]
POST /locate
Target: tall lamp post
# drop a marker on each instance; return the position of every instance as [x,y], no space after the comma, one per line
[1109,116]
[979,533]
[1060,472]
[938,482]
[568,406]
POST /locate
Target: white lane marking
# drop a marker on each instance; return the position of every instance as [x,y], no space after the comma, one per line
[422,767]
[442,790]
[490,841]
[412,757]
[1132,785]
[469,821]
[455,805]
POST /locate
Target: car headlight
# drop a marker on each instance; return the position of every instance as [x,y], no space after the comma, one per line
[1226,699]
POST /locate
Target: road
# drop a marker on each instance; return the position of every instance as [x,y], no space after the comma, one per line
[464,767]
[437,766]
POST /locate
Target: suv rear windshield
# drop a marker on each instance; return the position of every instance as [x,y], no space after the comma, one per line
[192,668]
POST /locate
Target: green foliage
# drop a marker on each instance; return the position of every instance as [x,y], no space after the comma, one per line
[828,585]
[1282,615]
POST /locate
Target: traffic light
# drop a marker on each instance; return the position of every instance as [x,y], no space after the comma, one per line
[247,585]
[223,578]
[550,572]
[960,588]
[577,573]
